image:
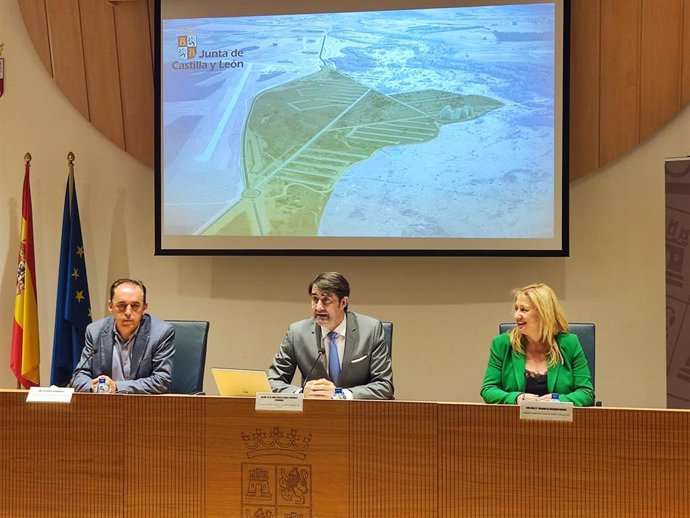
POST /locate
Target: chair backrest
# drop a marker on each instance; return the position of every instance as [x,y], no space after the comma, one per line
[388,336]
[190,356]
[584,331]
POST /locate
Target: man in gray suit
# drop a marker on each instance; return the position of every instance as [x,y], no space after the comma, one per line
[131,350]
[334,348]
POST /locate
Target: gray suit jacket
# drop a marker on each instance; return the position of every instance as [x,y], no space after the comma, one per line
[366,370]
[151,358]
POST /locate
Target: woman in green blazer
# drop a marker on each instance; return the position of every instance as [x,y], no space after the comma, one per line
[538,357]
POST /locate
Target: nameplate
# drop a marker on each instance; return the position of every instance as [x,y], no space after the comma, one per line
[49,395]
[279,402]
[546,411]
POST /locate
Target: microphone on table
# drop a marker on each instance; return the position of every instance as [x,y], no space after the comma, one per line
[81,366]
[321,353]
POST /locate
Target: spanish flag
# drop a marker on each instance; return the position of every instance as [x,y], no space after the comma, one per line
[25,355]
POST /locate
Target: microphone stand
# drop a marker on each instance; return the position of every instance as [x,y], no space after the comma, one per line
[321,353]
[80,368]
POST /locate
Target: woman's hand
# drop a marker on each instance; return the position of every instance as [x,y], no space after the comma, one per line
[528,397]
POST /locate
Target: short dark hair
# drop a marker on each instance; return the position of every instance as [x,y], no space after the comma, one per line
[333,282]
[119,282]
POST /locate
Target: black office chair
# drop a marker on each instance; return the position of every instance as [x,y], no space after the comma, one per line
[190,356]
[584,331]
[388,336]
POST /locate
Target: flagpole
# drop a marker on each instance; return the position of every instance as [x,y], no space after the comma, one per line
[70,180]
[72,306]
[25,350]
[27,162]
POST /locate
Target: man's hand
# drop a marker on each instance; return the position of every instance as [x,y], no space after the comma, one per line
[319,389]
[108,381]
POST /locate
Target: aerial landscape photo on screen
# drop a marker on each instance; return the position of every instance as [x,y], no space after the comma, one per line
[426,123]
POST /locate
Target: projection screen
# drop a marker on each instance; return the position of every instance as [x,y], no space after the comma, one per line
[385,127]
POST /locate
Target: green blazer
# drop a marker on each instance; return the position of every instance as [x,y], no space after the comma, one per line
[504,380]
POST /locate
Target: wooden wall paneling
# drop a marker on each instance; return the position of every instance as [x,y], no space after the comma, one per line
[453,488]
[660,63]
[638,485]
[51,458]
[164,469]
[102,73]
[393,459]
[140,456]
[584,87]
[36,22]
[136,80]
[64,24]
[468,470]
[594,466]
[620,78]
[685,96]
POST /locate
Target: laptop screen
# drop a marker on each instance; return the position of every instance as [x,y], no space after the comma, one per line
[240,382]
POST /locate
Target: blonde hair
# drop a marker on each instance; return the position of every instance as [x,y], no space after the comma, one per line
[552,320]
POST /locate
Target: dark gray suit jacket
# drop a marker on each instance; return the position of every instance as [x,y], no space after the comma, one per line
[151,358]
[366,370]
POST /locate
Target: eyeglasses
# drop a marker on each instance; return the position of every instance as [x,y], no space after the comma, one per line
[121,307]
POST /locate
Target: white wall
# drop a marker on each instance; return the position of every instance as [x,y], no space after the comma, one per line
[445,310]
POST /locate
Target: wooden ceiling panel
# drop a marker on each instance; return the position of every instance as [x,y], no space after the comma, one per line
[152,28]
[67,49]
[136,78]
[36,22]
[584,88]
[102,77]
[685,95]
[660,75]
[620,77]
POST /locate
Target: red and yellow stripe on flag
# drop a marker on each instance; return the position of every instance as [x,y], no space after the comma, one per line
[25,354]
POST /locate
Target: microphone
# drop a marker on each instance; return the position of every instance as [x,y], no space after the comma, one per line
[321,353]
[80,367]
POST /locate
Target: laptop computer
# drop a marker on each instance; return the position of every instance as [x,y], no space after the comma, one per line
[240,382]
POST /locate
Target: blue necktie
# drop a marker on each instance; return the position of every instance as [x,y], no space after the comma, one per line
[333,361]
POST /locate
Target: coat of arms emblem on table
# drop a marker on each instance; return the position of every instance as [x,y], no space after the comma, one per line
[282,488]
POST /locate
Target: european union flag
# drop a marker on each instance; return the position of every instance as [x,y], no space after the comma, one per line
[73,306]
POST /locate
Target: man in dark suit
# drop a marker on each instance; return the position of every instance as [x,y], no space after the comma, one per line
[336,348]
[131,350]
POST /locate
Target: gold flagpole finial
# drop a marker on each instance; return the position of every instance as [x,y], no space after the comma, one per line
[70,158]
[27,158]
